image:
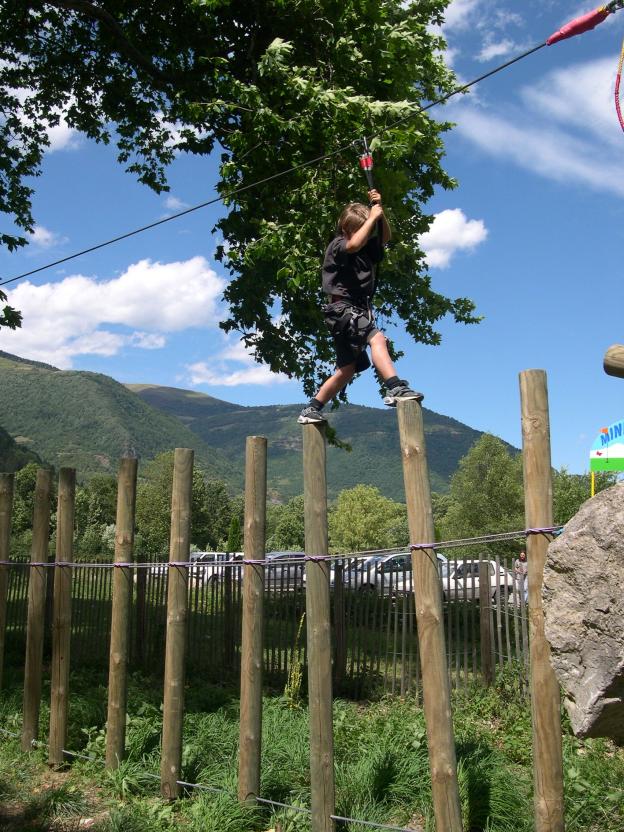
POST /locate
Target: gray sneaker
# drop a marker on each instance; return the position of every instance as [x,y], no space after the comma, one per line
[310,416]
[401,391]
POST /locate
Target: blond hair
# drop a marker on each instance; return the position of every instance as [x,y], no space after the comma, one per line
[353,216]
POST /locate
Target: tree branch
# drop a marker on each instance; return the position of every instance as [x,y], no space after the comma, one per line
[125,46]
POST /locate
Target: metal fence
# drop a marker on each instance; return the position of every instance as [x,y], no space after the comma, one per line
[373,620]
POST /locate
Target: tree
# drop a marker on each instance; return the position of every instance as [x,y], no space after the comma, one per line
[363,519]
[211,509]
[274,84]
[570,491]
[235,535]
[289,529]
[486,494]
[24,498]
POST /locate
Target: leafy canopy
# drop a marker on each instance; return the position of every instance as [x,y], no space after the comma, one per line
[269,85]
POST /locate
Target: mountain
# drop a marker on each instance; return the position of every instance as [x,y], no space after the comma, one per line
[12,456]
[372,433]
[88,421]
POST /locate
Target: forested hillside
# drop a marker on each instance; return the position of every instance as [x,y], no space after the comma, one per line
[13,456]
[375,458]
[88,420]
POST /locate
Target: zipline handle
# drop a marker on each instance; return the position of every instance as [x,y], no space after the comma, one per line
[366,163]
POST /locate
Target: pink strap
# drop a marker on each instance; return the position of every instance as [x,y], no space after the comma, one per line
[579,25]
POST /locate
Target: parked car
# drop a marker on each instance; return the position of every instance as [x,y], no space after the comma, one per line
[383,573]
[284,569]
[461,580]
[209,567]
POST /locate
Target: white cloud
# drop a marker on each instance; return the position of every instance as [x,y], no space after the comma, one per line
[563,128]
[450,232]
[496,49]
[173,203]
[62,137]
[69,318]
[458,13]
[44,238]
[222,369]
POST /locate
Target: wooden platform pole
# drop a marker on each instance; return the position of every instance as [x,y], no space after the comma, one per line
[252,634]
[318,630]
[120,614]
[614,361]
[430,623]
[6,511]
[33,668]
[61,615]
[545,695]
[177,613]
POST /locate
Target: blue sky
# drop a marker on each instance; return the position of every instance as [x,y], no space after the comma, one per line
[533,235]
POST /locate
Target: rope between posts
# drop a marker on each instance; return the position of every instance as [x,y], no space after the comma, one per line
[216,790]
[443,544]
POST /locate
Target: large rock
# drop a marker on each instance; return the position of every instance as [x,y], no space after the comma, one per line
[584,612]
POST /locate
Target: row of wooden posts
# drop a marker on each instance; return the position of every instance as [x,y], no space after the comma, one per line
[548,776]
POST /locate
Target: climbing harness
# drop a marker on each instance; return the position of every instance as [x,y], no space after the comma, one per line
[585,23]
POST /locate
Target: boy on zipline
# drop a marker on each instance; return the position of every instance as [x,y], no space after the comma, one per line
[349,270]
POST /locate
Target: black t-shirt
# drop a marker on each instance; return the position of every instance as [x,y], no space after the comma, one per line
[351,276]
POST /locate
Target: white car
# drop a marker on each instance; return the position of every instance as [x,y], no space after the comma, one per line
[383,573]
[461,579]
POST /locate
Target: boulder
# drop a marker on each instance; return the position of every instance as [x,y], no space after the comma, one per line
[584,615]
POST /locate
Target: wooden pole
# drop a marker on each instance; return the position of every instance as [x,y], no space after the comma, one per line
[36,609]
[177,613]
[6,511]
[318,630]
[61,616]
[545,696]
[614,361]
[485,627]
[120,614]
[428,600]
[252,635]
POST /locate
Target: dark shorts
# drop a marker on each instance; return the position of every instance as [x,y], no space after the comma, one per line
[352,328]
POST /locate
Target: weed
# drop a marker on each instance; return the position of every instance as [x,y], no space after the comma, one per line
[56,802]
[292,691]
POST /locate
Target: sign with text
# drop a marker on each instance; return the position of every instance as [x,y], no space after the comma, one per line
[607,452]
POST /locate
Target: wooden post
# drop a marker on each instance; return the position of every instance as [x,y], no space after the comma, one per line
[6,511]
[120,614]
[485,603]
[428,600]
[614,361]
[61,615]
[177,613]
[545,695]
[252,635]
[318,630]
[36,609]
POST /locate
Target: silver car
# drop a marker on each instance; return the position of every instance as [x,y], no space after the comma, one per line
[383,573]
[461,580]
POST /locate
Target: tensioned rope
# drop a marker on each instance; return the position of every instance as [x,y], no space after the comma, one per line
[277,563]
[241,189]
[575,27]
[217,790]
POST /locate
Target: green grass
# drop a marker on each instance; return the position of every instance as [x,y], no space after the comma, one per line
[382,771]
